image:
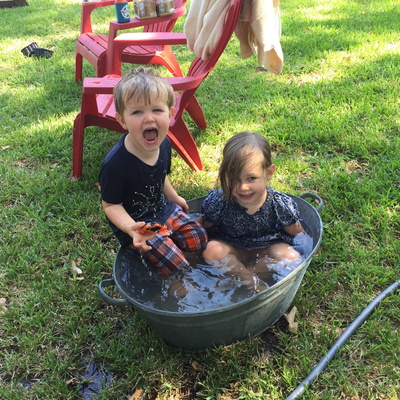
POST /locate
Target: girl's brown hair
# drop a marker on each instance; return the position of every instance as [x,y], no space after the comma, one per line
[239,150]
[141,84]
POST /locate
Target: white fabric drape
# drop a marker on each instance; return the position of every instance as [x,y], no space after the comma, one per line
[258,30]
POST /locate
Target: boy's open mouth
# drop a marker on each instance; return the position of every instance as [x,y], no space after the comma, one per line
[150,135]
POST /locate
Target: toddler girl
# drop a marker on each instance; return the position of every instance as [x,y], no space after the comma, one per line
[245,213]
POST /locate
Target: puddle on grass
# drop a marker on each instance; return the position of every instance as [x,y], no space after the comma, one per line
[26,384]
[95,379]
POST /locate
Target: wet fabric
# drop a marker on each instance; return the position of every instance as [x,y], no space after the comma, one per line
[181,234]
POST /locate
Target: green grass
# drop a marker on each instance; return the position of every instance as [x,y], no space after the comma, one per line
[333,120]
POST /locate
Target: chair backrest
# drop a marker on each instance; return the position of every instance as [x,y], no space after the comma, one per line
[87,9]
[153,25]
[198,67]
[164,24]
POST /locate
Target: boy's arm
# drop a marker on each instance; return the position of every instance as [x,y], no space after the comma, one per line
[117,214]
[171,195]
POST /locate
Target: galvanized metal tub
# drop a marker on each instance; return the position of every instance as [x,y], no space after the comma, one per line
[197,331]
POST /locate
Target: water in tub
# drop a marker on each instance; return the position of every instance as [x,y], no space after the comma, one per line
[204,287]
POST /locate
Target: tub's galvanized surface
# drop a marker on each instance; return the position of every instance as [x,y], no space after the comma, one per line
[196,331]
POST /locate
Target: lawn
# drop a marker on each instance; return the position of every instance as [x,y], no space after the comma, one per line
[332,117]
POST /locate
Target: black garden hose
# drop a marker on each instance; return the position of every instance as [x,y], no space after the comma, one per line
[341,341]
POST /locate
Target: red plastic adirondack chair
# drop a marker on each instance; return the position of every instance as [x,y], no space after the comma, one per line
[94,47]
[98,102]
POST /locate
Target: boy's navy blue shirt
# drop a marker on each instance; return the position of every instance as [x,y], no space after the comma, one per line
[125,179]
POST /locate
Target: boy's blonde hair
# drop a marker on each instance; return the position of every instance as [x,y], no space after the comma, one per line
[140,85]
[239,150]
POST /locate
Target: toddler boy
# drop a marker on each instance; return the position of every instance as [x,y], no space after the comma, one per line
[135,188]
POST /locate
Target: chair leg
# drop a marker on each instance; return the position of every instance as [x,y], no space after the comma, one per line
[77,147]
[101,65]
[196,112]
[170,62]
[78,67]
[184,144]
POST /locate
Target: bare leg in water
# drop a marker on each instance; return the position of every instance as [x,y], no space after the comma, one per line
[222,254]
[248,264]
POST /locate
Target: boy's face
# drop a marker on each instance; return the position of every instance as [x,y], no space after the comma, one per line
[147,124]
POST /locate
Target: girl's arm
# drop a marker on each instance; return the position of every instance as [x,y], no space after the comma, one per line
[171,195]
[294,230]
[117,214]
[300,237]
[205,224]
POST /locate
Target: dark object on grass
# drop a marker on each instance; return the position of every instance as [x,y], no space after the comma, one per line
[39,52]
[12,3]
[28,50]
[35,51]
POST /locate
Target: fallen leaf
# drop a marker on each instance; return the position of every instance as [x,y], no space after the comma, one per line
[290,319]
[76,271]
[137,395]
[2,305]
[5,147]
[196,366]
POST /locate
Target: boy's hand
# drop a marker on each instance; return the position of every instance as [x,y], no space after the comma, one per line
[180,201]
[139,240]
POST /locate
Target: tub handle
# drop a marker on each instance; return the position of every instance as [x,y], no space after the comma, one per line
[314,197]
[108,299]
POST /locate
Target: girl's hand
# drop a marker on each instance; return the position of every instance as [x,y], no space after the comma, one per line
[139,240]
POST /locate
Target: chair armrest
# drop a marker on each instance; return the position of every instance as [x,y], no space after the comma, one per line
[149,38]
[104,85]
[117,46]
[184,83]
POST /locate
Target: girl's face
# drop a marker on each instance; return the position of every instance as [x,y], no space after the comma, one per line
[250,189]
